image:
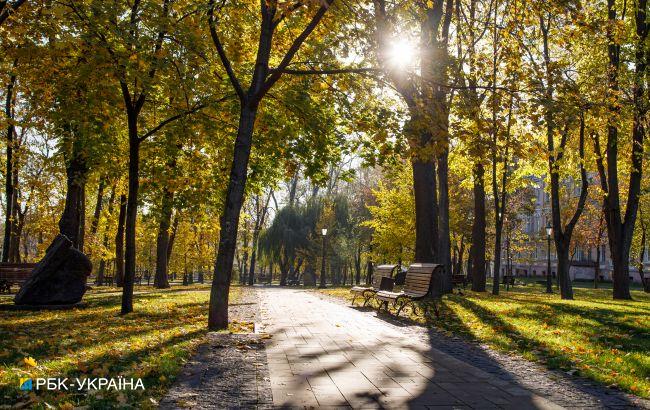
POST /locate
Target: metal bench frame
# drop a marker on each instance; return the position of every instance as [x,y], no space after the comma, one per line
[379,273]
[418,286]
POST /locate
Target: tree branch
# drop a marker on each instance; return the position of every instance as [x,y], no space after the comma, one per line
[331,71]
[171,119]
[295,46]
[222,54]
[8,9]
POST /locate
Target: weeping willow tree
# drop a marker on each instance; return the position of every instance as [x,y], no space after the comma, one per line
[288,241]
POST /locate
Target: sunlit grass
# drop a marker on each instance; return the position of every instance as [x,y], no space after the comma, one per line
[152,343]
[593,336]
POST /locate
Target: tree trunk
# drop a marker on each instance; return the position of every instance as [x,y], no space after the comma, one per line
[642,254]
[98,207]
[16,221]
[357,265]
[119,243]
[102,261]
[563,267]
[9,180]
[251,272]
[461,256]
[76,171]
[478,231]
[621,228]
[218,312]
[18,224]
[82,219]
[161,280]
[131,215]
[444,244]
[597,267]
[424,186]
[172,237]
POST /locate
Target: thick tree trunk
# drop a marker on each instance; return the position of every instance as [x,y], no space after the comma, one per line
[621,228]
[218,313]
[76,171]
[119,243]
[131,216]
[161,280]
[424,186]
[172,237]
[478,231]
[9,180]
[563,267]
[620,252]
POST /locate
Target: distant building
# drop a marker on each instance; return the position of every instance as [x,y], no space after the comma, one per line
[528,252]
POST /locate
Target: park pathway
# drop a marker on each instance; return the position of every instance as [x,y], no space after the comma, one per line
[322,353]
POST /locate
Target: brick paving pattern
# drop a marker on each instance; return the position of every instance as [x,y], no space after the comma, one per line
[229,371]
[562,388]
[325,354]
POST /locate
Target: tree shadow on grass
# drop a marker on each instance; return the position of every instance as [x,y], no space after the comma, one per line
[601,395]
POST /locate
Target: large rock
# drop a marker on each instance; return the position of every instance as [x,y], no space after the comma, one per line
[59,278]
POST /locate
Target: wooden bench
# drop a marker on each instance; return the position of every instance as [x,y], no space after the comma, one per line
[509,280]
[14,274]
[264,279]
[379,273]
[418,285]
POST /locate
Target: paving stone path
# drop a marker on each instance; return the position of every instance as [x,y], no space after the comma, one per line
[323,353]
[228,371]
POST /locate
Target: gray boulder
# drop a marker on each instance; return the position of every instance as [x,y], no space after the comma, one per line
[59,278]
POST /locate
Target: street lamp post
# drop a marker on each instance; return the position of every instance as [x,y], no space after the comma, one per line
[322,269]
[549,275]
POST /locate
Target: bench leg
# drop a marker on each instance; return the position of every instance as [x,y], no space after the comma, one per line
[436,310]
[353,298]
[401,306]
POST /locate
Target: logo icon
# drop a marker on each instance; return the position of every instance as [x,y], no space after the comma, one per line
[25,383]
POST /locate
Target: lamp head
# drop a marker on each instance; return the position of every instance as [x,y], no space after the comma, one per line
[324,231]
[549,229]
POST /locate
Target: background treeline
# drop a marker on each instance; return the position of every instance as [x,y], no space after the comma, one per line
[158,134]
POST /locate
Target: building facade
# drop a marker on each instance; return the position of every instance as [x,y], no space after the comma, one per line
[525,245]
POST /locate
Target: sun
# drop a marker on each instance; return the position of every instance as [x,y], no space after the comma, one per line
[402,54]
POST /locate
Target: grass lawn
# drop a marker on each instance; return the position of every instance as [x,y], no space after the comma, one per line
[152,343]
[593,336]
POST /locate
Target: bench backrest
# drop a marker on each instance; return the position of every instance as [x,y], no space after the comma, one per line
[418,279]
[16,271]
[380,272]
